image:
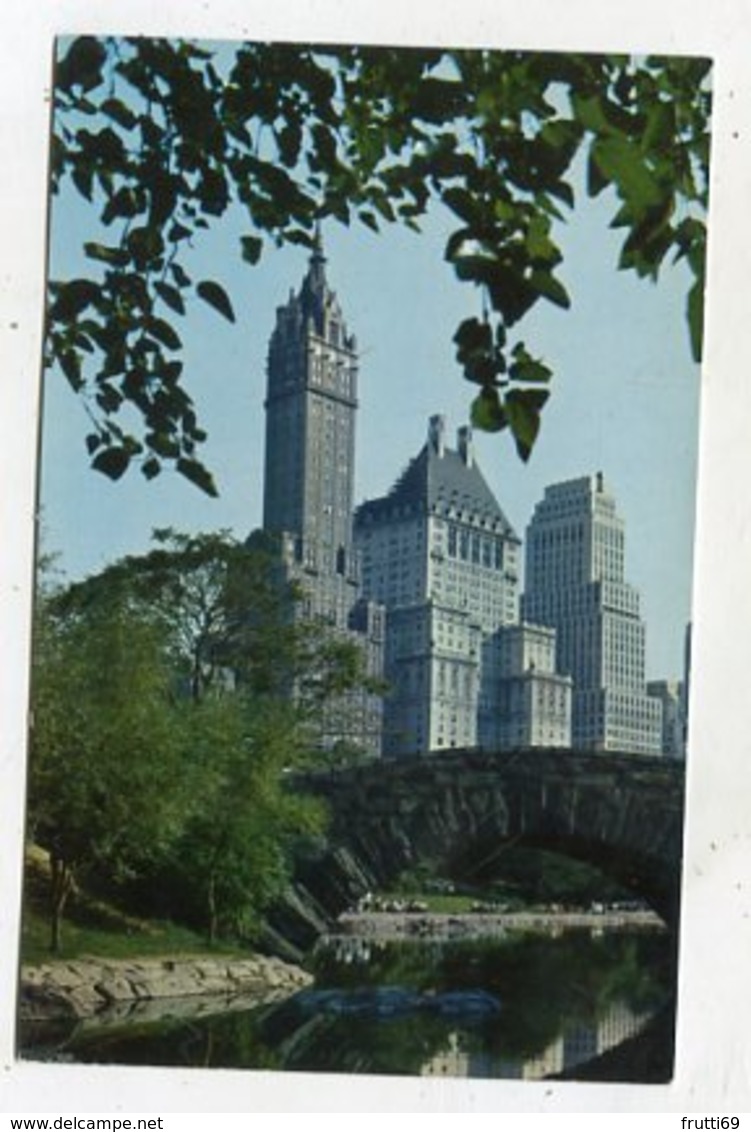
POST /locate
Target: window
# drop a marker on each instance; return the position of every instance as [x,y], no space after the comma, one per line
[464,545]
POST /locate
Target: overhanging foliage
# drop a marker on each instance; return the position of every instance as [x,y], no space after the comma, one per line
[162,138]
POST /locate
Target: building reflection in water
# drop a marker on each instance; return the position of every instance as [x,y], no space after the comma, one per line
[580,1043]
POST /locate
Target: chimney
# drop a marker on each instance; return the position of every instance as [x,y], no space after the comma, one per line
[464,445]
[436,427]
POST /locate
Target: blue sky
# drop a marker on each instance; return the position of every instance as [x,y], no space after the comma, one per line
[624,398]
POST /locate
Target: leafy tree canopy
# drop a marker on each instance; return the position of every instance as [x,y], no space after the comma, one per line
[164,726]
[105,737]
[233,857]
[222,609]
[228,615]
[162,139]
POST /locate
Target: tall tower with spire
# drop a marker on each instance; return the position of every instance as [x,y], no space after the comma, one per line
[311,405]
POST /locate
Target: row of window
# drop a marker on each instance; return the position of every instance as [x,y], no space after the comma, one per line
[472,546]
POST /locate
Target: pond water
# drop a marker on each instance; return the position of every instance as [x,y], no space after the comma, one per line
[521,1006]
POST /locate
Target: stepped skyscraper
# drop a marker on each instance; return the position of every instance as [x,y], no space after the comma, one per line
[575,582]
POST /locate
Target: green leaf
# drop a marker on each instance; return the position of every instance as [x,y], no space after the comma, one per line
[171,296]
[695,314]
[119,113]
[163,332]
[550,288]
[83,178]
[252,246]
[163,444]
[562,191]
[472,334]
[73,297]
[178,232]
[540,247]
[124,204]
[213,192]
[370,219]
[215,295]
[526,368]
[108,398]
[82,65]
[70,363]
[464,204]
[596,179]
[180,276]
[146,246]
[475,352]
[382,203]
[487,413]
[151,468]
[589,113]
[113,462]
[660,127]
[619,160]
[523,408]
[194,471]
[115,256]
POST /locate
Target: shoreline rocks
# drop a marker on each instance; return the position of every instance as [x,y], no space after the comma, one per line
[82,988]
[474,925]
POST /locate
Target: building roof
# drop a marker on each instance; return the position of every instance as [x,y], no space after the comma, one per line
[315,304]
[442,480]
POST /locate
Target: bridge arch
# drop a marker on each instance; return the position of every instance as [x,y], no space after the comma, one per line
[621,813]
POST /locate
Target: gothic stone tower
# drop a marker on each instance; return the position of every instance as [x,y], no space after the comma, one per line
[310,440]
[311,405]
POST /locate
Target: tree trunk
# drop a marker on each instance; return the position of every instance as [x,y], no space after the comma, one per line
[213,916]
[61,886]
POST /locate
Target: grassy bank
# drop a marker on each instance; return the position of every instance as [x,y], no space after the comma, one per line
[98,929]
[149,938]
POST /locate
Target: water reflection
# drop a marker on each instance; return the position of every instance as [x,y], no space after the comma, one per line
[577,1046]
[520,1007]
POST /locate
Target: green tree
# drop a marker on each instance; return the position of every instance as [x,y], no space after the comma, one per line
[105,762]
[163,137]
[229,614]
[173,692]
[234,855]
[224,608]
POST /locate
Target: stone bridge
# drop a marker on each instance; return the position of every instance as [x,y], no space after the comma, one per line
[456,811]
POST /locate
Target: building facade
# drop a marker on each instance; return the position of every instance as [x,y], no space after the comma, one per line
[575,583]
[534,701]
[670,695]
[439,553]
[311,405]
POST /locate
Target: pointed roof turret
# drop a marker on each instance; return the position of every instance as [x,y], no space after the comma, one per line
[442,480]
[315,306]
[315,291]
[316,278]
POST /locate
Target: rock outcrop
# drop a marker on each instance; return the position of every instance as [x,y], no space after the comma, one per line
[81,988]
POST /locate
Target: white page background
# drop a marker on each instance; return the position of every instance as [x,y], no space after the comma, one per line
[713,1072]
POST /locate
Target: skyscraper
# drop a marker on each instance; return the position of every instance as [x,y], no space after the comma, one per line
[575,582]
[440,554]
[311,404]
